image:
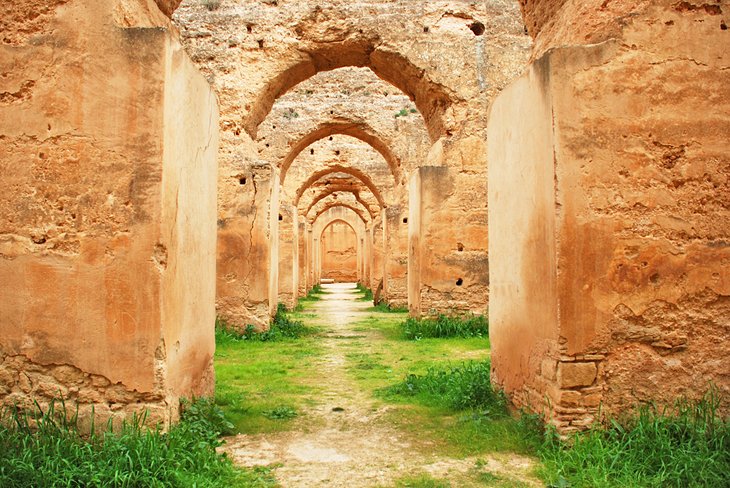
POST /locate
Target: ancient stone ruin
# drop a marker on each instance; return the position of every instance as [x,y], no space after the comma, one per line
[560,165]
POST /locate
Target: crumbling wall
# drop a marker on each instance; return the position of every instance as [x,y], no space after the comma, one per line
[450,60]
[108,153]
[641,218]
[246,230]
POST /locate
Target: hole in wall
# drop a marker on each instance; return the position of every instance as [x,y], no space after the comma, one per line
[267,144]
[425,29]
[281,217]
[249,28]
[723,26]
[311,151]
[261,43]
[459,282]
[459,247]
[405,220]
[654,278]
[337,153]
[242,181]
[330,138]
[273,127]
[477,28]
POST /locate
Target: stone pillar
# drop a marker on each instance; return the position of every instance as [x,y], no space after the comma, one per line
[288,254]
[396,264]
[447,274]
[107,215]
[414,245]
[247,274]
[608,222]
[378,252]
[302,263]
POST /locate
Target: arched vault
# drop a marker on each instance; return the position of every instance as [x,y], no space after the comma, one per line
[354,172]
[358,131]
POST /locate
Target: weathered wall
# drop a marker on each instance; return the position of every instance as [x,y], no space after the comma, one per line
[451,269]
[523,315]
[448,58]
[245,249]
[641,215]
[340,253]
[108,153]
[288,254]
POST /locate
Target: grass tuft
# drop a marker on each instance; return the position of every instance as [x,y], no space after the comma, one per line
[460,387]
[683,446]
[45,448]
[445,326]
[384,307]
[367,293]
[313,295]
[282,327]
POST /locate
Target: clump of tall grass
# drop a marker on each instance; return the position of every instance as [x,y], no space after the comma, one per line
[459,387]
[384,307]
[445,326]
[687,445]
[281,327]
[367,293]
[313,294]
[46,448]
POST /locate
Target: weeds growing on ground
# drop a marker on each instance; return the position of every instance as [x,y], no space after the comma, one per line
[282,327]
[445,326]
[313,294]
[367,293]
[384,307]
[45,448]
[460,387]
[684,446]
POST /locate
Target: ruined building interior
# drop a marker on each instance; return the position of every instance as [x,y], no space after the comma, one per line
[559,165]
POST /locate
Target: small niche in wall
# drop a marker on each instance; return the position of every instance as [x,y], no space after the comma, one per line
[242,180]
[281,217]
[459,247]
[477,28]
[459,282]
[405,220]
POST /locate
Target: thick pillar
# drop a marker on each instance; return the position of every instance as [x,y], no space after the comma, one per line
[288,254]
[247,286]
[107,215]
[396,264]
[609,222]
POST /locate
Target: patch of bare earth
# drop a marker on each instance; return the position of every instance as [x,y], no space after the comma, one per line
[344,440]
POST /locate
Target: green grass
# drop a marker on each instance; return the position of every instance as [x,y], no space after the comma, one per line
[46,449]
[687,445]
[384,307]
[367,293]
[460,387]
[313,295]
[263,386]
[446,326]
[459,404]
[421,481]
[282,327]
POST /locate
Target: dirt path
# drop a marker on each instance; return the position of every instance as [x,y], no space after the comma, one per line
[344,440]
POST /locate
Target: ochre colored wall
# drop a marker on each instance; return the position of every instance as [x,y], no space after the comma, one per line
[339,253]
[109,143]
[641,222]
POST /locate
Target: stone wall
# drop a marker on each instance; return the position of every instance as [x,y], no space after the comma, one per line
[618,275]
[340,253]
[403,77]
[107,221]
